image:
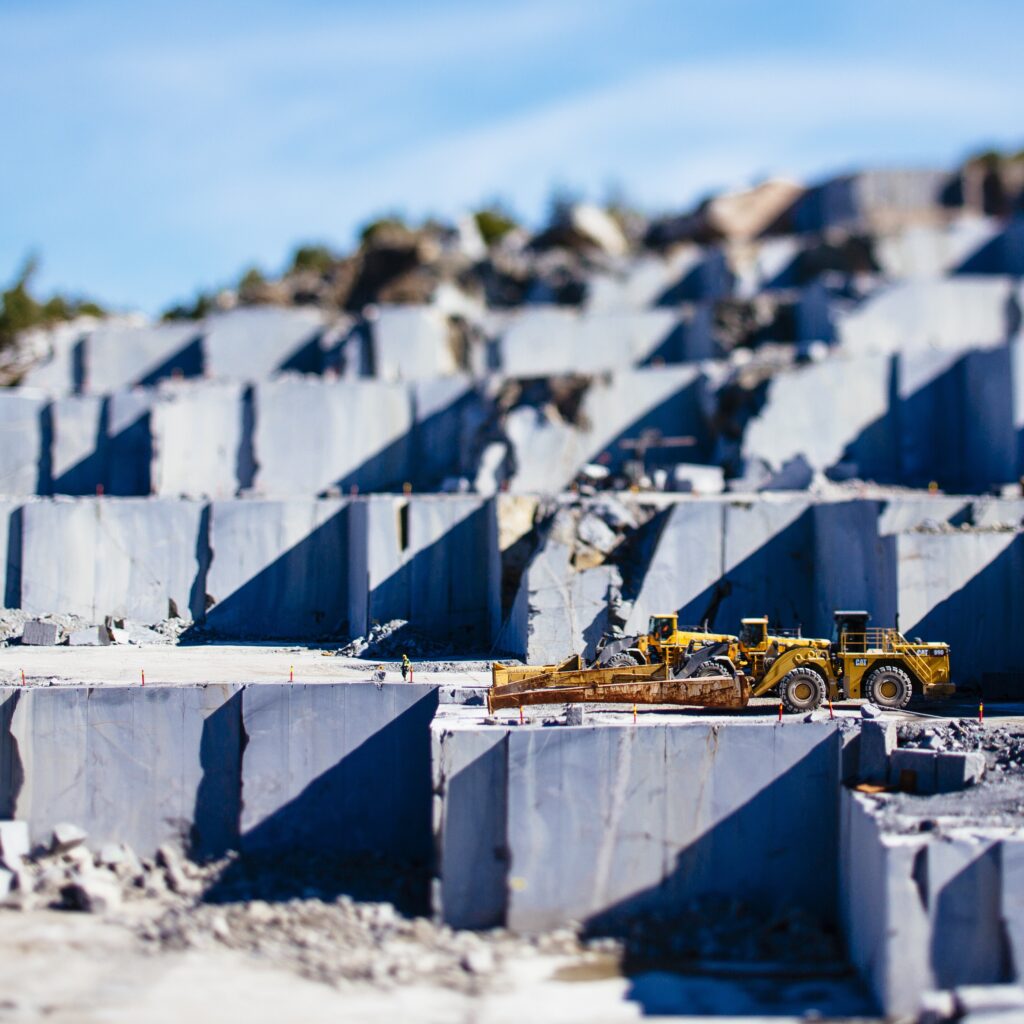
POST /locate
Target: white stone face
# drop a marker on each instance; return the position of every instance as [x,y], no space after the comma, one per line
[21,440]
[312,435]
[196,432]
[122,356]
[253,343]
[411,343]
[129,558]
[954,312]
[817,410]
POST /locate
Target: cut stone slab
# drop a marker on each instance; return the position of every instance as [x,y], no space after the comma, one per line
[14,843]
[877,742]
[93,636]
[955,770]
[913,771]
[199,447]
[22,441]
[40,634]
[930,771]
[66,836]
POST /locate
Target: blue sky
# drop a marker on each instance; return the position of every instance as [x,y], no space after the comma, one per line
[154,148]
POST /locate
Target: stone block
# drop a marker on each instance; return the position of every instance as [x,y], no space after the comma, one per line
[855,566]
[255,342]
[24,441]
[315,436]
[828,412]
[66,836]
[470,780]
[279,568]
[963,587]
[913,771]
[685,566]
[877,743]
[694,479]
[129,442]
[948,313]
[199,442]
[122,356]
[127,557]
[873,200]
[79,445]
[544,341]
[955,770]
[416,551]
[92,636]
[447,412]
[14,843]
[1011,902]
[340,769]
[139,765]
[883,907]
[605,823]
[40,634]
[558,610]
[967,945]
[60,346]
[412,343]
[925,252]
[11,518]
[767,563]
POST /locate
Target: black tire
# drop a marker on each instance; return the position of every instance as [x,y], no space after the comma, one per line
[888,687]
[621,660]
[802,690]
[715,667]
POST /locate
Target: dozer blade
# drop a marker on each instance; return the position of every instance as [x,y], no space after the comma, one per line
[513,687]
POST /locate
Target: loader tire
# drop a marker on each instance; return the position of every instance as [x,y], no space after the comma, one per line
[715,667]
[802,690]
[621,660]
[888,687]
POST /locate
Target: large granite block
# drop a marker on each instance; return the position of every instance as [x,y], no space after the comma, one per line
[24,442]
[132,557]
[255,342]
[314,436]
[341,768]
[470,778]
[79,446]
[139,765]
[121,356]
[198,442]
[278,568]
[607,823]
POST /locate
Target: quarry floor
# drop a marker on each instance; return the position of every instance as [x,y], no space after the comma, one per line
[107,975]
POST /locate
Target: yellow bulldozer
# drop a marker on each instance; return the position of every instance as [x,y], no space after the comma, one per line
[693,666]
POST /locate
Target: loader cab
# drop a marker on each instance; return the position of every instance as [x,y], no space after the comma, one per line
[754,633]
[662,628]
[850,631]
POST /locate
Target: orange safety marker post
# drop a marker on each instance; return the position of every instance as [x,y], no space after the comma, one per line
[291,673]
[780,710]
[143,671]
[981,712]
[830,713]
[634,714]
[520,715]
[22,677]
